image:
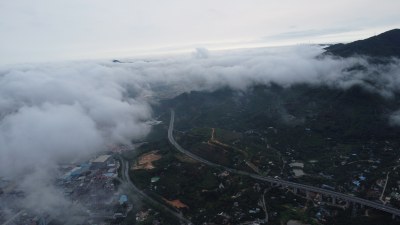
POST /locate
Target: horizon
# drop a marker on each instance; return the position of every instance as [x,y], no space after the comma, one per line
[190,49]
[44,31]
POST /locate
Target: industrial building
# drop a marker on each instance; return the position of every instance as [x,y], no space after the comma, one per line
[102,162]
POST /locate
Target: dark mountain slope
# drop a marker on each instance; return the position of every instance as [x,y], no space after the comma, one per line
[383,45]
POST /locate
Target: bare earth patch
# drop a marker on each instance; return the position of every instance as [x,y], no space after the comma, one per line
[146,160]
[176,203]
[295,222]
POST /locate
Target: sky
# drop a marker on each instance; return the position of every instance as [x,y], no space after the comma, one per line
[56,30]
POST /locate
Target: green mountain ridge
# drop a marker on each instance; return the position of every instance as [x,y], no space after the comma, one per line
[386,44]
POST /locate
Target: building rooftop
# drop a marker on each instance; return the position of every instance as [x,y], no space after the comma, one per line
[155,179]
[123,199]
[101,159]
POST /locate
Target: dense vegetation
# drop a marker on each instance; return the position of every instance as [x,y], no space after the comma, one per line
[383,45]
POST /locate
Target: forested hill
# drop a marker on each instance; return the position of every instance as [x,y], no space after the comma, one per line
[386,44]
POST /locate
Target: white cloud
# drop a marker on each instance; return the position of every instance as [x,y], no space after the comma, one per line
[201,53]
[59,113]
[55,112]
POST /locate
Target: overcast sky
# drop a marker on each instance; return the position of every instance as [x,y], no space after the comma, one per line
[53,30]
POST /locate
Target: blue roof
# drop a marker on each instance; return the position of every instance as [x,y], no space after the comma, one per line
[122,199]
[76,172]
[109,174]
[85,165]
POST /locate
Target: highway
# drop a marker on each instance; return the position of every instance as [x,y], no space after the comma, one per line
[334,194]
[127,180]
[13,217]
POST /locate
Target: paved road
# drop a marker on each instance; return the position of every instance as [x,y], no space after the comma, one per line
[13,217]
[281,182]
[126,179]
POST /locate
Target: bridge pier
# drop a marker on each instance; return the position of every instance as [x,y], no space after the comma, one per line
[393,216]
[307,194]
[366,212]
[347,204]
[333,201]
[295,190]
[354,210]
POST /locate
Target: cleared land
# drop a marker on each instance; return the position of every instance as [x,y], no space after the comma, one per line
[146,160]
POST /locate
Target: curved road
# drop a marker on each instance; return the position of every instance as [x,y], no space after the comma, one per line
[127,180]
[13,217]
[326,192]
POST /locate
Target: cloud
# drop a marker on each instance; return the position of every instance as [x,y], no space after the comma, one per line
[394,118]
[39,136]
[201,53]
[285,66]
[51,113]
[308,33]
